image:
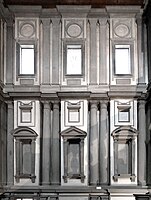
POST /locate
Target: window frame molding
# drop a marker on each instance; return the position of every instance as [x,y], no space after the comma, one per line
[24,135]
[125,134]
[18,51]
[70,135]
[131,59]
[73,42]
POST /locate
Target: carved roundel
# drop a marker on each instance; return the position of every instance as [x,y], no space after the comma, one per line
[27,29]
[122,30]
[74,30]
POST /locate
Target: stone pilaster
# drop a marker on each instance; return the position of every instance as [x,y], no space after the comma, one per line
[103,144]
[141,69]
[93,51]
[141,143]
[46,51]
[46,143]
[10,51]
[55,50]
[103,69]
[10,143]
[94,147]
[55,146]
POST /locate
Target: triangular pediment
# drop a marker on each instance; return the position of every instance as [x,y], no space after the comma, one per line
[73,132]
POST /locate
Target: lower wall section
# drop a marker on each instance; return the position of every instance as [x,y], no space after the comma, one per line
[75,193]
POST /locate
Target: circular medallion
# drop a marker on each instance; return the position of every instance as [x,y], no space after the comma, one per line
[27,30]
[122,30]
[74,30]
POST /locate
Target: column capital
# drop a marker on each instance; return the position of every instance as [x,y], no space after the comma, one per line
[10,104]
[104,103]
[139,19]
[46,104]
[55,21]
[103,21]
[141,102]
[45,22]
[94,103]
[93,21]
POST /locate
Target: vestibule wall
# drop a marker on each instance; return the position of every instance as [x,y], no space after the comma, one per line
[73,85]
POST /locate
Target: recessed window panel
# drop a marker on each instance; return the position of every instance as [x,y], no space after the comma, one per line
[122,59]
[27,59]
[74,59]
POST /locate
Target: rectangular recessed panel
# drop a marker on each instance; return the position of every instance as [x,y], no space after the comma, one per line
[26,159]
[122,161]
[74,115]
[26,116]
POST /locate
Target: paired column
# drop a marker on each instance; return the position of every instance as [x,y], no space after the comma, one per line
[55,146]
[94,144]
[10,143]
[46,143]
[141,143]
[103,144]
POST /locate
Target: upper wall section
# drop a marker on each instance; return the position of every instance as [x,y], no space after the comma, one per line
[72,48]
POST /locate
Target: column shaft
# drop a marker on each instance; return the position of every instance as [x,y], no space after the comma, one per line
[10,143]
[94,148]
[46,144]
[141,143]
[55,146]
[104,144]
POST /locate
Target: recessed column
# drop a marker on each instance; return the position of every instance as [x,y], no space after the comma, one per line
[103,144]
[46,143]
[10,143]
[94,147]
[141,143]
[55,145]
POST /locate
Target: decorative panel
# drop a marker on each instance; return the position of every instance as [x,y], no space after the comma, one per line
[74,113]
[123,112]
[122,28]
[26,28]
[74,28]
[26,113]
